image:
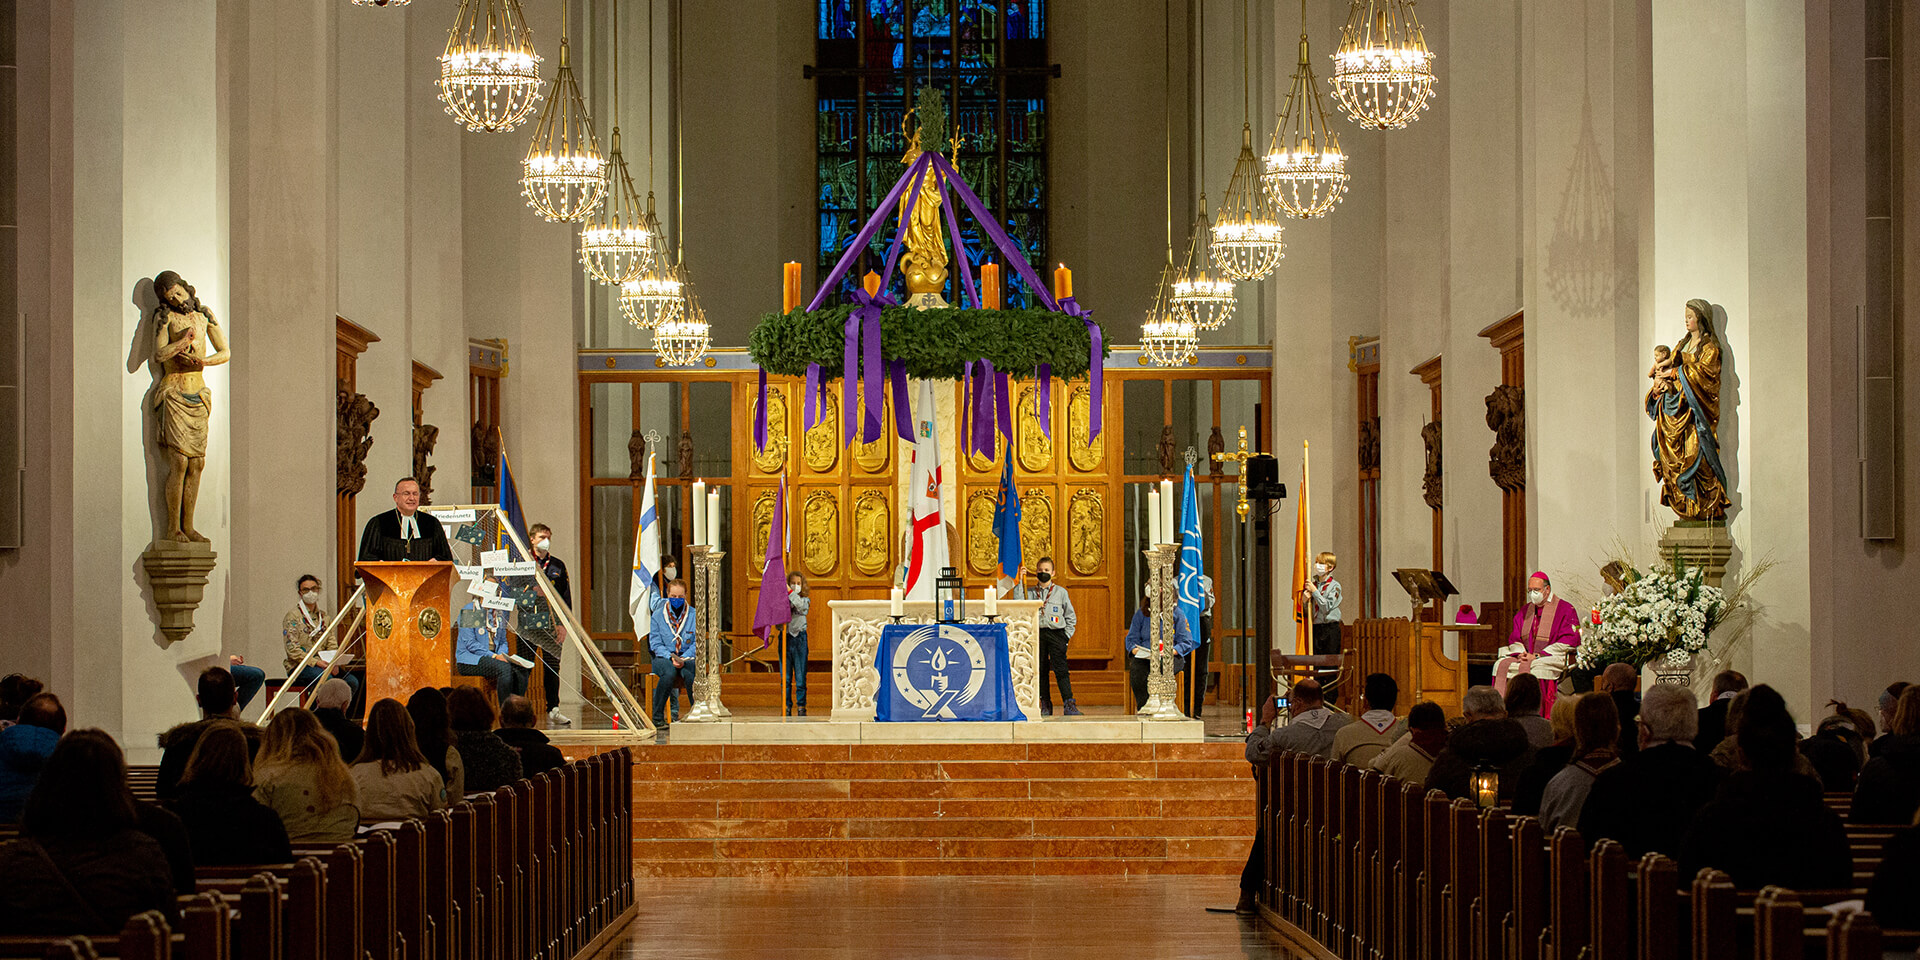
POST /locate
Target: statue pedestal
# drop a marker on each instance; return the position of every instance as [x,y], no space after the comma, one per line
[177,573]
[1700,543]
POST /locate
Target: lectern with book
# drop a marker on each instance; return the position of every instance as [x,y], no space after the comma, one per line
[1423,657]
[408,644]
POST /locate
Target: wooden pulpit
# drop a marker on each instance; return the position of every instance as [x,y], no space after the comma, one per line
[409,638]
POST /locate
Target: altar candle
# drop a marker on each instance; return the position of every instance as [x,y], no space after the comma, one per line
[897,602]
[1062,282]
[872,282]
[1168,528]
[699,512]
[990,286]
[993,602]
[713,517]
[1153,517]
[790,286]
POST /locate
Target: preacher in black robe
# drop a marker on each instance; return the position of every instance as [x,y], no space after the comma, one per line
[382,539]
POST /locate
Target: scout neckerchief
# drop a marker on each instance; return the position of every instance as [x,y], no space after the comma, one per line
[674,624]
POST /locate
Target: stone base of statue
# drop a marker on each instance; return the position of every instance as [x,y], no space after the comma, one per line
[177,573]
[1701,543]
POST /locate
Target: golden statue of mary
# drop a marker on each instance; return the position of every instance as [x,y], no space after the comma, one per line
[1684,404]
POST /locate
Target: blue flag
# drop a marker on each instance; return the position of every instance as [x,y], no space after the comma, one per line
[1006,519]
[509,497]
[1192,597]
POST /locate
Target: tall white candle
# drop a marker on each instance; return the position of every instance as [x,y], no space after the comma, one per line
[699,512]
[993,602]
[1153,517]
[897,603]
[1168,528]
[713,517]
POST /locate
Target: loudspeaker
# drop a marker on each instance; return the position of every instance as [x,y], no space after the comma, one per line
[1263,478]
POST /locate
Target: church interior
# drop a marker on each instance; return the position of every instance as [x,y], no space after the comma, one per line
[1363,461]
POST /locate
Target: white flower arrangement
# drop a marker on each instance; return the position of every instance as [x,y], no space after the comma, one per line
[1662,613]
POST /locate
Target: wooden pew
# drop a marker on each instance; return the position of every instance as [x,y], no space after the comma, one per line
[1610,908]
[1493,901]
[1658,904]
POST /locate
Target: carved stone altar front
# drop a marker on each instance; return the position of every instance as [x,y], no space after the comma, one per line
[855,645]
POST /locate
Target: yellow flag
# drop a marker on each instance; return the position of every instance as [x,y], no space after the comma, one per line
[1302,565]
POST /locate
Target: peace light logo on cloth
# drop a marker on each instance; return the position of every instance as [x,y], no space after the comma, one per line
[938,668]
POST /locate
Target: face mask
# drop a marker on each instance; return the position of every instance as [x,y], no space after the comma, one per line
[543,546]
[1320,569]
[1043,576]
[793,588]
[677,604]
[671,573]
[1535,596]
[310,597]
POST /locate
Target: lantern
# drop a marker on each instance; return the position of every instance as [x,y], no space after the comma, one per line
[1486,786]
[950,596]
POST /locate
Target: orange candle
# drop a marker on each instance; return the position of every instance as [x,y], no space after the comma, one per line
[872,282]
[1062,282]
[790,288]
[990,286]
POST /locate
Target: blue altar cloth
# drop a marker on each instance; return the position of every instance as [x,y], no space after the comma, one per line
[945,671]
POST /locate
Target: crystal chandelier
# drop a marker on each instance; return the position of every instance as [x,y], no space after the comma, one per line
[381,3]
[614,244]
[1199,297]
[564,176]
[1167,339]
[1306,172]
[683,340]
[489,74]
[1383,71]
[1248,238]
[653,298]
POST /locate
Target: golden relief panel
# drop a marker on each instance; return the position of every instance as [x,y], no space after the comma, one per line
[762,527]
[1036,525]
[986,461]
[820,446]
[873,457]
[1086,525]
[983,551]
[1082,450]
[774,458]
[872,524]
[1036,449]
[821,544]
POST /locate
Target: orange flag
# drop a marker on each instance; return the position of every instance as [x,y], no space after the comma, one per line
[1302,565]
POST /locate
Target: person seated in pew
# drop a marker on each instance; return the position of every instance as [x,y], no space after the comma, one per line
[482,647]
[15,688]
[1889,788]
[1836,750]
[1727,684]
[670,640]
[82,865]
[1618,681]
[490,763]
[1647,801]
[215,693]
[1311,729]
[1488,737]
[1768,824]
[1889,704]
[1894,895]
[516,727]
[24,749]
[301,776]
[1596,733]
[1412,755]
[1728,754]
[329,706]
[224,823]
[394,778]
[1374,730]
[1523,705]
[433,731]
[1548,761]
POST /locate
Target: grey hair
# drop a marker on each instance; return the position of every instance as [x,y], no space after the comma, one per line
[1670,713]
[1483,701]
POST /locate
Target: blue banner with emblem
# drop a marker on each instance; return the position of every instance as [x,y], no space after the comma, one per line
[945,671]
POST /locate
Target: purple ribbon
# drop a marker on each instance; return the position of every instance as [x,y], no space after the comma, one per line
[959,251]
[1003,411]
[813,394]
[1096,363]
[760,416]
[902,410]
[980,408]
[1043,400]
[863,347]
[872,229]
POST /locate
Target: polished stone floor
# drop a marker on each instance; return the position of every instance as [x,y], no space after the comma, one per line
[1047,918]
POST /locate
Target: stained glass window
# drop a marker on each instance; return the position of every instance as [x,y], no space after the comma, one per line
[989,59]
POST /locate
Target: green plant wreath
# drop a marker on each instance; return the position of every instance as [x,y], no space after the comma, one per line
[935,344]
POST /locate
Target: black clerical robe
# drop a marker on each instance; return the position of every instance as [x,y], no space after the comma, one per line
[381,541]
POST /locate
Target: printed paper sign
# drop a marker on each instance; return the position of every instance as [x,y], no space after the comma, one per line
[492,558]
[524,569]
[465,572]
[452,516]
[497,603]
[484,588]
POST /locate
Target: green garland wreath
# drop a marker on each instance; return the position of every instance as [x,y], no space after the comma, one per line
[935,344]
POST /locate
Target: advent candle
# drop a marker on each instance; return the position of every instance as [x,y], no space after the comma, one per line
[872,282]
[1168,528]
[990,286]
[1153,517]
[713,517]
[993,602]
[790,286]
[699,512]
[896,603]
[1062,282]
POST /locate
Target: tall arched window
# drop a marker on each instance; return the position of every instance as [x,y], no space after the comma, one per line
[989,57]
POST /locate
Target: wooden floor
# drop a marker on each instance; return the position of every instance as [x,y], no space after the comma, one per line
[965,918]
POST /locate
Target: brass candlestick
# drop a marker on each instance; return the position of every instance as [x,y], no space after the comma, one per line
[707,707]
[1162,683]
